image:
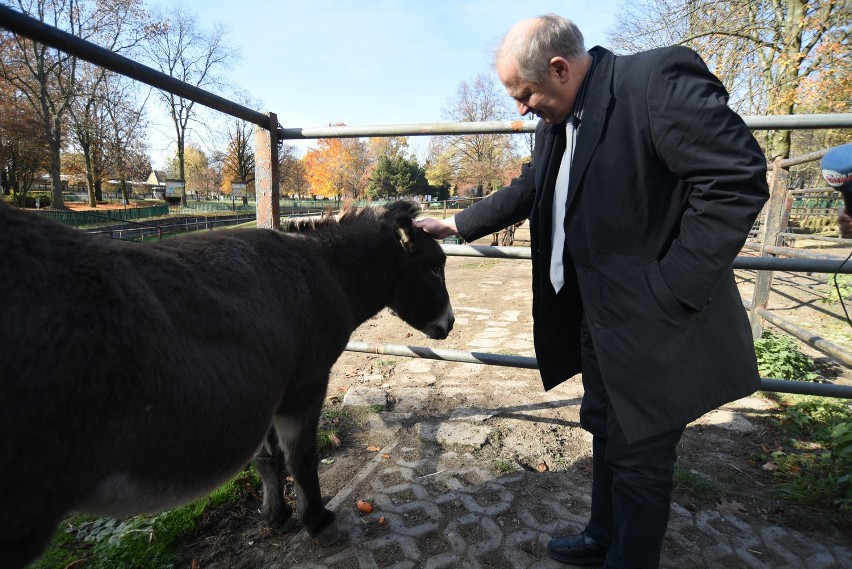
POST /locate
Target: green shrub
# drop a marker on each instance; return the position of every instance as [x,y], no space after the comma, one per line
[778,356]
[816,469]
[841,283]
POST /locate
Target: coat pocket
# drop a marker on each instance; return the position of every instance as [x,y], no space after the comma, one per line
[663,296]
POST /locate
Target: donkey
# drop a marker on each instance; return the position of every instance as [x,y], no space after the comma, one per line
[134,378]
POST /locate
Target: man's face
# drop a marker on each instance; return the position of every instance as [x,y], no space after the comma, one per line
[551,100]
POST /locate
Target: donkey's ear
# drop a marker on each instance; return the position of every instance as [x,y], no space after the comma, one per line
[404,230]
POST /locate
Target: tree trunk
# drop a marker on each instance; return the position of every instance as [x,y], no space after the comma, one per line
[90,177]
[57,199]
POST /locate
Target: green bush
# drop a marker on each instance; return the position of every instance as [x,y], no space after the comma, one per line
[841,283]
[816,469]
[778,356]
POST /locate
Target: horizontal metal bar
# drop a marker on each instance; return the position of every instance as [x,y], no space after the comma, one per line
[805,265]
[801,255]
[792,122]
[424,129]
[806,388]
[484,358]
[837,120]
[824,238]
[38,31]
[443,354]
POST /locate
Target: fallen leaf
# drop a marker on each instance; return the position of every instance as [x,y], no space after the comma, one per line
[327,461]
[364,507]
[381,519]
[542,467]
[373,448]
[386,456]
[732,507]
[770,466]
[334,440]
[195,564]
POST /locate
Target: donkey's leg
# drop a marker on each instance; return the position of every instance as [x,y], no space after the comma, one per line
[298,434]
[269,462]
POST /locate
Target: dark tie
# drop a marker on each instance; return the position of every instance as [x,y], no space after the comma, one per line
[560,201]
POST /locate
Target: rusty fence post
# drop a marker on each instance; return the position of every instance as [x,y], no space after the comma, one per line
[266,175]
[773,225]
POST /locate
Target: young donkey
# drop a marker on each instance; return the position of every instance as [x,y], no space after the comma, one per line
[134,378]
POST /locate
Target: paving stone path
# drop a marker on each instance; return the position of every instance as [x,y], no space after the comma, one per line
[438,502]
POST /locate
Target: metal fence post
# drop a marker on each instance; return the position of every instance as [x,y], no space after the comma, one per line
[773,226]
[266,174]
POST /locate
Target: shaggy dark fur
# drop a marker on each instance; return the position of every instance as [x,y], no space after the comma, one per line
[134,378]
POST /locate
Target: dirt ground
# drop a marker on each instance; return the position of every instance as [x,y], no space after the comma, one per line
[532,435]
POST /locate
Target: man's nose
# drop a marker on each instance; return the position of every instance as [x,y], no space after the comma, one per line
[522,108]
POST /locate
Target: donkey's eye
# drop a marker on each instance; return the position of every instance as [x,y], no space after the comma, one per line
[438,271]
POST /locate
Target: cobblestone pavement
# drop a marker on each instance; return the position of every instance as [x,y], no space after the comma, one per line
[445,510]
[439,501]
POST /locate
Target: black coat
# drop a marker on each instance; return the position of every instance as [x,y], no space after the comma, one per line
[666,183]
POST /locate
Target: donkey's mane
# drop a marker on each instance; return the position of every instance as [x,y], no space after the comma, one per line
[350,213]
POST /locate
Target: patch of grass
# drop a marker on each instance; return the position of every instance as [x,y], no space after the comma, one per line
[486,264]
[503,466]
[140,541]
[814,467]
[694,484]
[328,431]
[385,362]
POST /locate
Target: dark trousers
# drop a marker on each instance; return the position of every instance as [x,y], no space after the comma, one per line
[631,483]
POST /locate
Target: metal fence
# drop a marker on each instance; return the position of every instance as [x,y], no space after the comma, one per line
[269,136]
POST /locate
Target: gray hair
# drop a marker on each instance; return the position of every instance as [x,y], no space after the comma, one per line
[551,36]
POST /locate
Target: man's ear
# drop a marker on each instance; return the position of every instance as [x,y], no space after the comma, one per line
[561,67]
[404,230]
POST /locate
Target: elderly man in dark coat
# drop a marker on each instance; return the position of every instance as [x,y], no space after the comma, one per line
[642,189]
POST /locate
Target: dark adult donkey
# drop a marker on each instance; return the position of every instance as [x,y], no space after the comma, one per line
[134,378]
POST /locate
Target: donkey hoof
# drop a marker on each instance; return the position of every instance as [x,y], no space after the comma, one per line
[330,535]
[288,525]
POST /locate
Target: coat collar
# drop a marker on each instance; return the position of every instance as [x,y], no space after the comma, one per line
[594,118]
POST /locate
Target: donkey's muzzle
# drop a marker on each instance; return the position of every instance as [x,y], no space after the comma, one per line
[440,328]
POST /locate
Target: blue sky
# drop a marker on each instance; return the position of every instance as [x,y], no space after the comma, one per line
[369,62]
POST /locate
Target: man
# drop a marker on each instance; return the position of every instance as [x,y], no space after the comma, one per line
[633,232]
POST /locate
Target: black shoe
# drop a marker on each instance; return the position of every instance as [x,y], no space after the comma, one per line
[577,549]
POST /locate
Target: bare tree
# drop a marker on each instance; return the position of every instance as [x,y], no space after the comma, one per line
[119,26]
[195,56]
[479,159]
[124,144]
[238,164]
[762,50]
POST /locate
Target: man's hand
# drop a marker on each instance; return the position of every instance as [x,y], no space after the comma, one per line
[845,222]
[437,228]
